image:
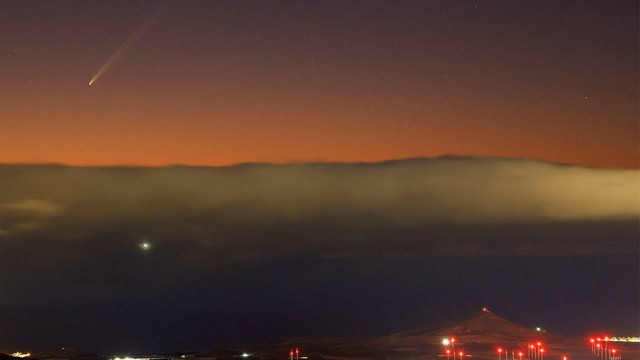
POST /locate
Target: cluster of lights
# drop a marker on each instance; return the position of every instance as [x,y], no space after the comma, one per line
[295,352]
[624,339]
[604,352]
[535,351]
[450,349]
[506,354]
[19,354]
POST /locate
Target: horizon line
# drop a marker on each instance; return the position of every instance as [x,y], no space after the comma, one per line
[318,162]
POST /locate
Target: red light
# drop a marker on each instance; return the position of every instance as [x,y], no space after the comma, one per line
[613,351]
[519,354]
[541,350]
[592,340]
[598,345]
[499,350]
[448,352]
[539,343]
[532,346]
[297,351]
[453,340]
[461,353]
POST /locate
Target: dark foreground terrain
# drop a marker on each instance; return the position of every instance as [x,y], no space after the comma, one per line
[478,336]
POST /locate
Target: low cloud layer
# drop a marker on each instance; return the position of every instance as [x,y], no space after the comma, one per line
[71,235]
[398,194]
[407,208]
[321,203]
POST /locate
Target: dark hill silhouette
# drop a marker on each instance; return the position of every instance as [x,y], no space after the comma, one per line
[478,328]
[478,335]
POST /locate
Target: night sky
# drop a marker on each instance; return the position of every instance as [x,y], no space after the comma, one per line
[191,174]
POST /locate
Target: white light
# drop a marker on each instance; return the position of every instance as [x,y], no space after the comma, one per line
[245,355]
[445,342]
[20,354]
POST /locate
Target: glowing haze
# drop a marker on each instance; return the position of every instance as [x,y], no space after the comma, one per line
[401,194]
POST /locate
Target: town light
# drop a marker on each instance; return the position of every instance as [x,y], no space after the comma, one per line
[453,347]
[19,354]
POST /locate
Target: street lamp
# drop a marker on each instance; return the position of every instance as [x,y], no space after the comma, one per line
[531,352]
[445,342]
[520,354]
[500,353]
[461,354]
[541,354]
[453,347]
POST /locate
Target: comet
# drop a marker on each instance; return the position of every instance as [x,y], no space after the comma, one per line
[138,34]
